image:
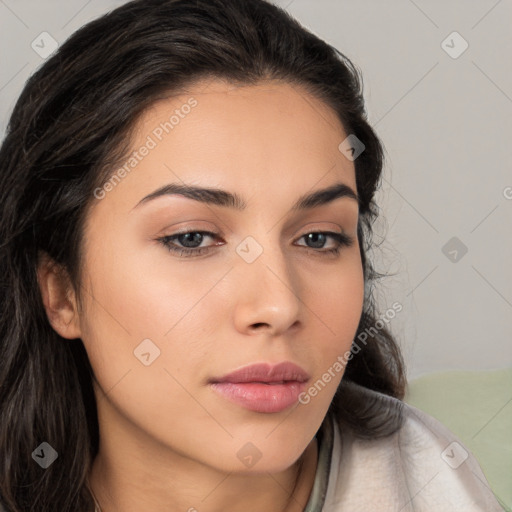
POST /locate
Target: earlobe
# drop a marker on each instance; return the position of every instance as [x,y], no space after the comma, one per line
[58,298]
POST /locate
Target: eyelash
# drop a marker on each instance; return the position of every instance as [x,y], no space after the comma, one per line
[342,240]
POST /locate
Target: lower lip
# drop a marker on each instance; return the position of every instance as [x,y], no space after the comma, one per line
[260,397]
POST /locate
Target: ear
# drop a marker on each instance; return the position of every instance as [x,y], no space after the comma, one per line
[58,298]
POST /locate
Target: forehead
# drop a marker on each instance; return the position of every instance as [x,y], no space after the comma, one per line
[273,137]
[228,109]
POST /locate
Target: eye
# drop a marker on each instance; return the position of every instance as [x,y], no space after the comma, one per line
[319,237]
[190,242]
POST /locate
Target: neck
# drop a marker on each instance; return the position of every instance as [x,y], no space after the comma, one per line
[124,487]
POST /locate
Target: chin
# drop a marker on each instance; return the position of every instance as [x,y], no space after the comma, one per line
[259,457]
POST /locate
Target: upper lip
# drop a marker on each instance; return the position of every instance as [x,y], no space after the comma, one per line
[265,372]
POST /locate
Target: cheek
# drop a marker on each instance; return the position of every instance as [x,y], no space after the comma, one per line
[337,295]
[140,324]
[141,291]
[140,302]
[336,303]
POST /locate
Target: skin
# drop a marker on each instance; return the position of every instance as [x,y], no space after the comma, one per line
[168,441]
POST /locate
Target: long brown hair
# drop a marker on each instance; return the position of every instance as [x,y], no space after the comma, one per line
[70,127]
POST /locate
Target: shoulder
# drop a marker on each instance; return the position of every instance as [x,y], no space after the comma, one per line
[439,467]
[420,467]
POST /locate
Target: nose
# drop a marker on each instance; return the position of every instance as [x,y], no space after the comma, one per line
[268,295]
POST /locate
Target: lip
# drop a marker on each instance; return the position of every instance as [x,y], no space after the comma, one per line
[263,387]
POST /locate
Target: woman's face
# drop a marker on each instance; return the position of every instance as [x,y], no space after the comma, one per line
[160,326]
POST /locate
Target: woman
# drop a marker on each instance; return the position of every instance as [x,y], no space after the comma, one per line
[187,320]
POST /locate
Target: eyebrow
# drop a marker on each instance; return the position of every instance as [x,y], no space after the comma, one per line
[219,197]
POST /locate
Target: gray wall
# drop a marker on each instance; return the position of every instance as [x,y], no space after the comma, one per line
[444,117]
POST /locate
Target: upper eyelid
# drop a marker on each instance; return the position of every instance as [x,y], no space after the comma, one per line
[187,229]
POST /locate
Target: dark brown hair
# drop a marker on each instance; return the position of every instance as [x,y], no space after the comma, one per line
[70,127]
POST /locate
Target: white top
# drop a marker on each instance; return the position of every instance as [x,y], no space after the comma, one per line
[422,467]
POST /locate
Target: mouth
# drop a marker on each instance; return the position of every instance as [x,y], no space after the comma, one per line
[262,387]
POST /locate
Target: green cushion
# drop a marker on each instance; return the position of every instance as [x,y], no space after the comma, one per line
[477,407]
